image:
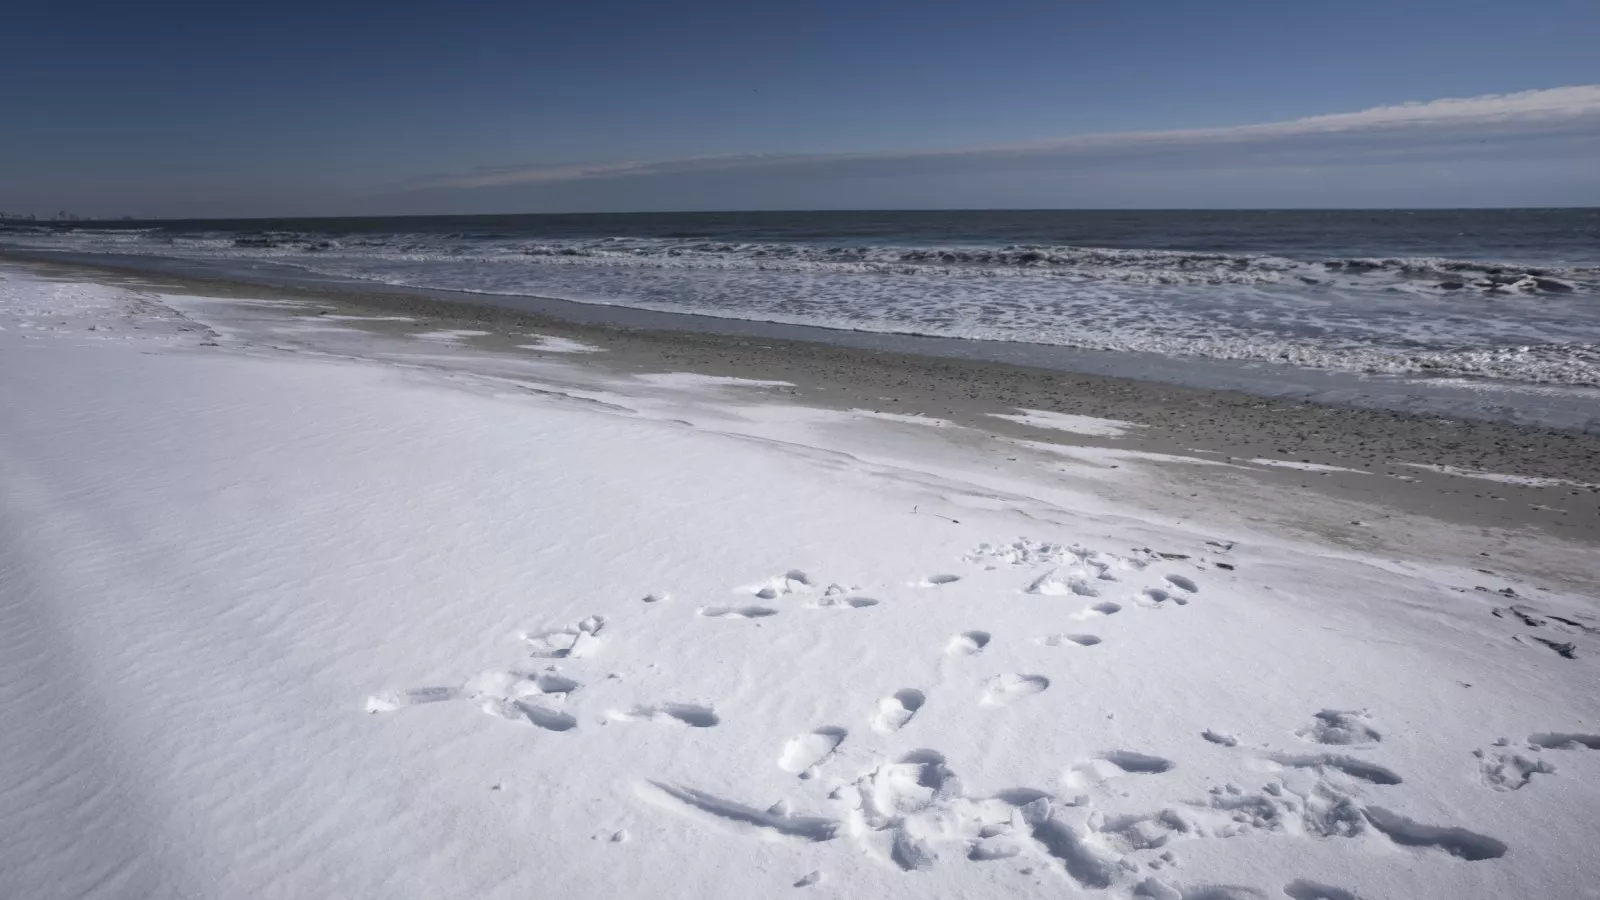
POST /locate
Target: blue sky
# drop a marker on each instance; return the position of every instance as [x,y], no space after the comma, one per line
[294,107]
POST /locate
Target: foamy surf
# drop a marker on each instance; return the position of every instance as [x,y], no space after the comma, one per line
[1520,314]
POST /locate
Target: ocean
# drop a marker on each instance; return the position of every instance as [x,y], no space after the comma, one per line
[1498,295]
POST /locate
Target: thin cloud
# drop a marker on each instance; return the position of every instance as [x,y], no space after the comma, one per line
[1556,120]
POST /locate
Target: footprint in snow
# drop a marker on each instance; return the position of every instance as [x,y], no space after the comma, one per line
[897,709]
[1154,598]
[389,701]
[1103,608]
[1301,889]
[1061,583]
[780,585]
[1534,618]
[552,683]
[1183,583]
[1114,764]
[562,643]
[535,712]
[1563,649]
[693,715]
[938,580]
[1071,640]
[1507,770]
[778,820]
[533,697]
[1360,769]
[1504,770]
[1565,741]
[805,753]
[517,685]
[494,685]
[839,601]
[1003,690]
[737,612]
[1341,727]
[1457,842]
[967,643]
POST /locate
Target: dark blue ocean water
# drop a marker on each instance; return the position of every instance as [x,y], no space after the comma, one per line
[1549,236]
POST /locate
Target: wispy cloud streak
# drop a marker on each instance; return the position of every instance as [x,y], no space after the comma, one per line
[1557,120]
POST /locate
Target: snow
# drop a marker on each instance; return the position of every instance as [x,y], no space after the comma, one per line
[1113,456]
[1306,466]
[904,419]
[1090,426]
[448,334]
[551,344]
[281,624]
[1500,477]
[694,380]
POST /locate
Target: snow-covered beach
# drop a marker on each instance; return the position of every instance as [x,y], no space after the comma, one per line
[311,605]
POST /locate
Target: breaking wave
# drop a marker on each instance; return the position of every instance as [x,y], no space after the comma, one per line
[1382,315]
[1135,266]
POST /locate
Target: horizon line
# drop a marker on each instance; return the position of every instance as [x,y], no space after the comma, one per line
[101,220]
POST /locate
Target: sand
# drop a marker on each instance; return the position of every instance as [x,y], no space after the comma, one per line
[1226,426]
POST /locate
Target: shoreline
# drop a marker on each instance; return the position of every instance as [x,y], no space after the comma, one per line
[1559,407]
[1376,453]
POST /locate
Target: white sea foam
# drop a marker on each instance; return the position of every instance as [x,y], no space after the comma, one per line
[1383,316]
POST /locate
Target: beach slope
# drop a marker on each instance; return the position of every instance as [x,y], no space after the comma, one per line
[287,623]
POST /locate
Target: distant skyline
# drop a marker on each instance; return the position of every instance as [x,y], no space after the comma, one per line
[186,109]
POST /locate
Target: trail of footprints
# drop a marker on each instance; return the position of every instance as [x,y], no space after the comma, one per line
[1561,635]
[914,812]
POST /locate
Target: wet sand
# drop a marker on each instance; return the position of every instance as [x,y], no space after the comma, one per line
[1559,407]
[1217,425]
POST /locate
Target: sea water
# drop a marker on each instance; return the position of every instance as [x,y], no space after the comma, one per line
[1496,295]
